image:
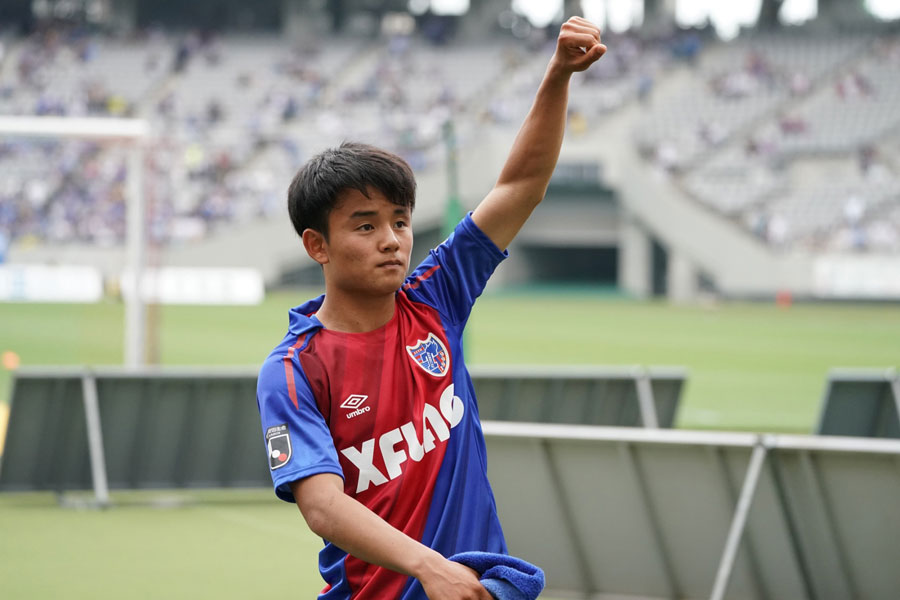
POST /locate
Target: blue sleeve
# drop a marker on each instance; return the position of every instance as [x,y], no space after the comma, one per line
[455,273]
[297,439]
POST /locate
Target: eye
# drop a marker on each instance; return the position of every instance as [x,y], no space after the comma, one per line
[365,227]
[401,224]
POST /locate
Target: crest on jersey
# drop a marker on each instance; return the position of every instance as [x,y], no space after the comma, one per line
[278,443]
[431,355]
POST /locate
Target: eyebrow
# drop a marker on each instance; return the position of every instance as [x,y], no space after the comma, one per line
[361,214]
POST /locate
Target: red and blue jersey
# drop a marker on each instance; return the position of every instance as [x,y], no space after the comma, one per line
[393,412]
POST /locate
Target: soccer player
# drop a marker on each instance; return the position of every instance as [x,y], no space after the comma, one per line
[367,410]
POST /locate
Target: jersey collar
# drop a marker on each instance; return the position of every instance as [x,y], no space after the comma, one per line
[302,319]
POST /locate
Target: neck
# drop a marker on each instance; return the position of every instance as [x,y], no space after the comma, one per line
[351,313]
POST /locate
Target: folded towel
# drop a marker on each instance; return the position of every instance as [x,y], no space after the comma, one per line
[505,577]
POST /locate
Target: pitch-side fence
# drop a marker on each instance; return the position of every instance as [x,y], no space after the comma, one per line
[79,428]
[621,396]
[606,511]
[861,403]
[639,513]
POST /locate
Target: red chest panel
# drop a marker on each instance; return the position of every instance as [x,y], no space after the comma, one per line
[381,397]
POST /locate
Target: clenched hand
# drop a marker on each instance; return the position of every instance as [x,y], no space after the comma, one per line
[577,47]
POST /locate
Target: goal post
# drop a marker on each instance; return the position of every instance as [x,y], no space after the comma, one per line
[130,134]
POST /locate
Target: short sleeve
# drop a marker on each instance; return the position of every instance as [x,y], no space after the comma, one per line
[297,439]
[454,274]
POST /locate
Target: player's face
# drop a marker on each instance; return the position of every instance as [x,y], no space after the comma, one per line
[369,242]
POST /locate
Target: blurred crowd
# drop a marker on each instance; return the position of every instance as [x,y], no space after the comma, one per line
[797,142]
[233,118]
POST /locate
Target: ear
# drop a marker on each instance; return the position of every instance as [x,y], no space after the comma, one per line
[315,245]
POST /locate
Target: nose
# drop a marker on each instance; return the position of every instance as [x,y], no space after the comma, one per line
[389,241]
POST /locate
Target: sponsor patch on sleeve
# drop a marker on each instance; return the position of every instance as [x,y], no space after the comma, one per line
[278,441]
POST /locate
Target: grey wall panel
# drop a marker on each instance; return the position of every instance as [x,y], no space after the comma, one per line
[46,442]
[526,497]
[694,508]
[557,400]
[160,428]
[806,528]
[575,395]
[605,500]
[140,431]
[861,402]
[242,459]
[182,432]
[612,512]
[766,554]
[847,508]
[667,389]
[641,519]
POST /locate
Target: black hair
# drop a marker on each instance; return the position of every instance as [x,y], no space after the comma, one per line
[314,192]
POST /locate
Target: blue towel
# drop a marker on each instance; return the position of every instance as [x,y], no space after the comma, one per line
[505,577]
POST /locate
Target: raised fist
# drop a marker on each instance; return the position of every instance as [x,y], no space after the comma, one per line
[578,46]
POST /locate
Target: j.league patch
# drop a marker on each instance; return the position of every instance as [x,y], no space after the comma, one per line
[278,441]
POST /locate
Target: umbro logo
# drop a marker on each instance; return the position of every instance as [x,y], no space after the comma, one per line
[354,403]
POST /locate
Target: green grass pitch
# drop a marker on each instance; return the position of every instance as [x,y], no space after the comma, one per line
[751,367]
[179,546]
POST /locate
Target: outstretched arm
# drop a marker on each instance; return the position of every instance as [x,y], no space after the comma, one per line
[524,178]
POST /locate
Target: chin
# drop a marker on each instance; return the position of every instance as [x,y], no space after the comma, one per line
[385,286]
[398,283]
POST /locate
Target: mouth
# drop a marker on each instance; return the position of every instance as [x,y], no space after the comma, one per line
[391,263]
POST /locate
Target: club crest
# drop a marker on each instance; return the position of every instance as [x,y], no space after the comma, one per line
[431,355]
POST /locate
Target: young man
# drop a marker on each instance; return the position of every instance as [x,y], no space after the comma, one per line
[367,409]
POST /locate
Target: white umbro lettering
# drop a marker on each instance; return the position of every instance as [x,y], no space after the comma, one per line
[436,426]
[357,412]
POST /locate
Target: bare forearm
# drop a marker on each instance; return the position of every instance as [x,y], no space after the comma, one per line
[532,158]
[535,150]
[349,525]
[363,534]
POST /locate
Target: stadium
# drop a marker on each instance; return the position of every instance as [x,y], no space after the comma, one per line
[686,370]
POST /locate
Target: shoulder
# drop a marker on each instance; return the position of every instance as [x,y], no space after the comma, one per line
[467,243]
[283,360]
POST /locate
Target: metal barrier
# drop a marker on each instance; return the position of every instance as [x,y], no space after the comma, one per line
[625,512]
[113,428]
[623,396]
[605,511]
[861,403]
[82,429]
